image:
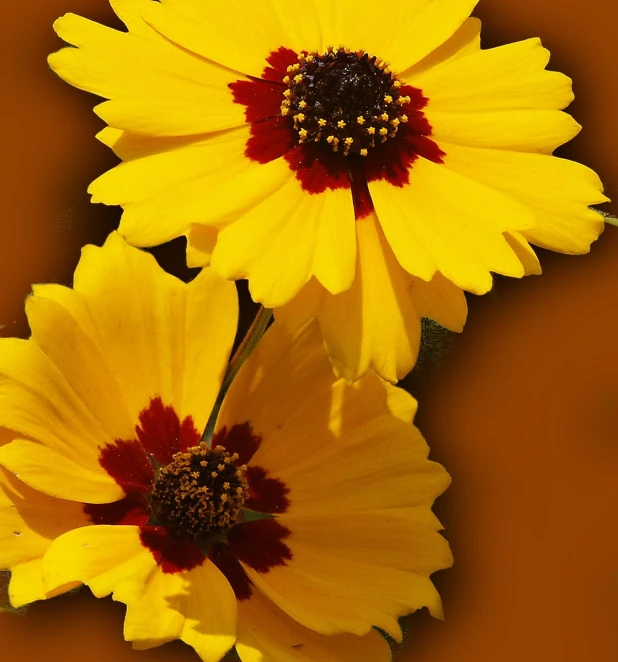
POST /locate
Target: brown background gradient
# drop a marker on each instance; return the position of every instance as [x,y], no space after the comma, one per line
[522,409]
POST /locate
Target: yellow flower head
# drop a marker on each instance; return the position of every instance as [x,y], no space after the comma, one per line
[447,176]
[308,513]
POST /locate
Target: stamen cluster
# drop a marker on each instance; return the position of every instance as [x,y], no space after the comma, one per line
[349,100]
[200,492]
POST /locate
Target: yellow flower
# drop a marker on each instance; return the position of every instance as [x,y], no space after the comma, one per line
[304,523]
[360,163]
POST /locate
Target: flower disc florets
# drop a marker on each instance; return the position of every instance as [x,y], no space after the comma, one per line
[349,100]
[200,492]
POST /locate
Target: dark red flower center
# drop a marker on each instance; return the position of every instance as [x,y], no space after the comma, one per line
[340,119]
[191,500]
[350,101]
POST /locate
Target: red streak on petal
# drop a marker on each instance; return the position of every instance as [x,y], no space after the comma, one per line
[223,558]
[132,510]
[270,139]
[162,434]
[259,544]
[266,494]
[238,439]
[279,61]
[127,463]
[261,101]
[172,554]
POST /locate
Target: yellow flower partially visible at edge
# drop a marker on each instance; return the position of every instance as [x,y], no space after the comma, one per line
[304,523]
[366,185]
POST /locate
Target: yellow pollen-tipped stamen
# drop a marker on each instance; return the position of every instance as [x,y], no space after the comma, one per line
[330,139]
[388,98]
[341,124]
[309,58]
[348,141]
[298,78]
[302,104]
[360,120]
[397,84]
[287,93]
[403,118]
[284,110]
[303,134]
[383,131]
[322,122]
[300,117]
[384,117]
[371,130]
[363,152]
[395,122]
[286,79]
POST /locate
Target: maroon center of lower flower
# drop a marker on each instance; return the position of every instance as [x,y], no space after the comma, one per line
[201,492]
[349,100]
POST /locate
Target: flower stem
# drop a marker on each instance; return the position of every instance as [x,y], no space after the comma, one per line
[248,344]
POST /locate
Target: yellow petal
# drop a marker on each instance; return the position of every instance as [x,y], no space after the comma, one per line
[349,573]
[375,323]
[208,181]
[510,77]
[152,328]
[109,559]
[334,260]
[277,380]
[398,476]
[266,633]
[129,146]
[156,615]
[302,308]
[238,35]
[38,402]
[288,378]
[519,130]
[435,23]
[211,613]
[441,300]
[279,244]
[444,222]
[75,353]
[201,242]
[56,474]
[156,86]
[524,252]
[26,584]
[197,606]
[130,13]
[30,521]
[303,26]
[348,24]
[466,40]
[558,193]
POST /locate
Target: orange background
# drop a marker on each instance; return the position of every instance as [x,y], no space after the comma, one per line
[522,409]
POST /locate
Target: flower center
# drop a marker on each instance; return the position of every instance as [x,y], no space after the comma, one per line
[200,492]
[349,100]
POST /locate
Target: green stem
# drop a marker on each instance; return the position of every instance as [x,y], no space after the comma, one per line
[248,344]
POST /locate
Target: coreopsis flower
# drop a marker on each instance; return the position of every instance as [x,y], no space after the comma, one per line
[359,164]
[303,523]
